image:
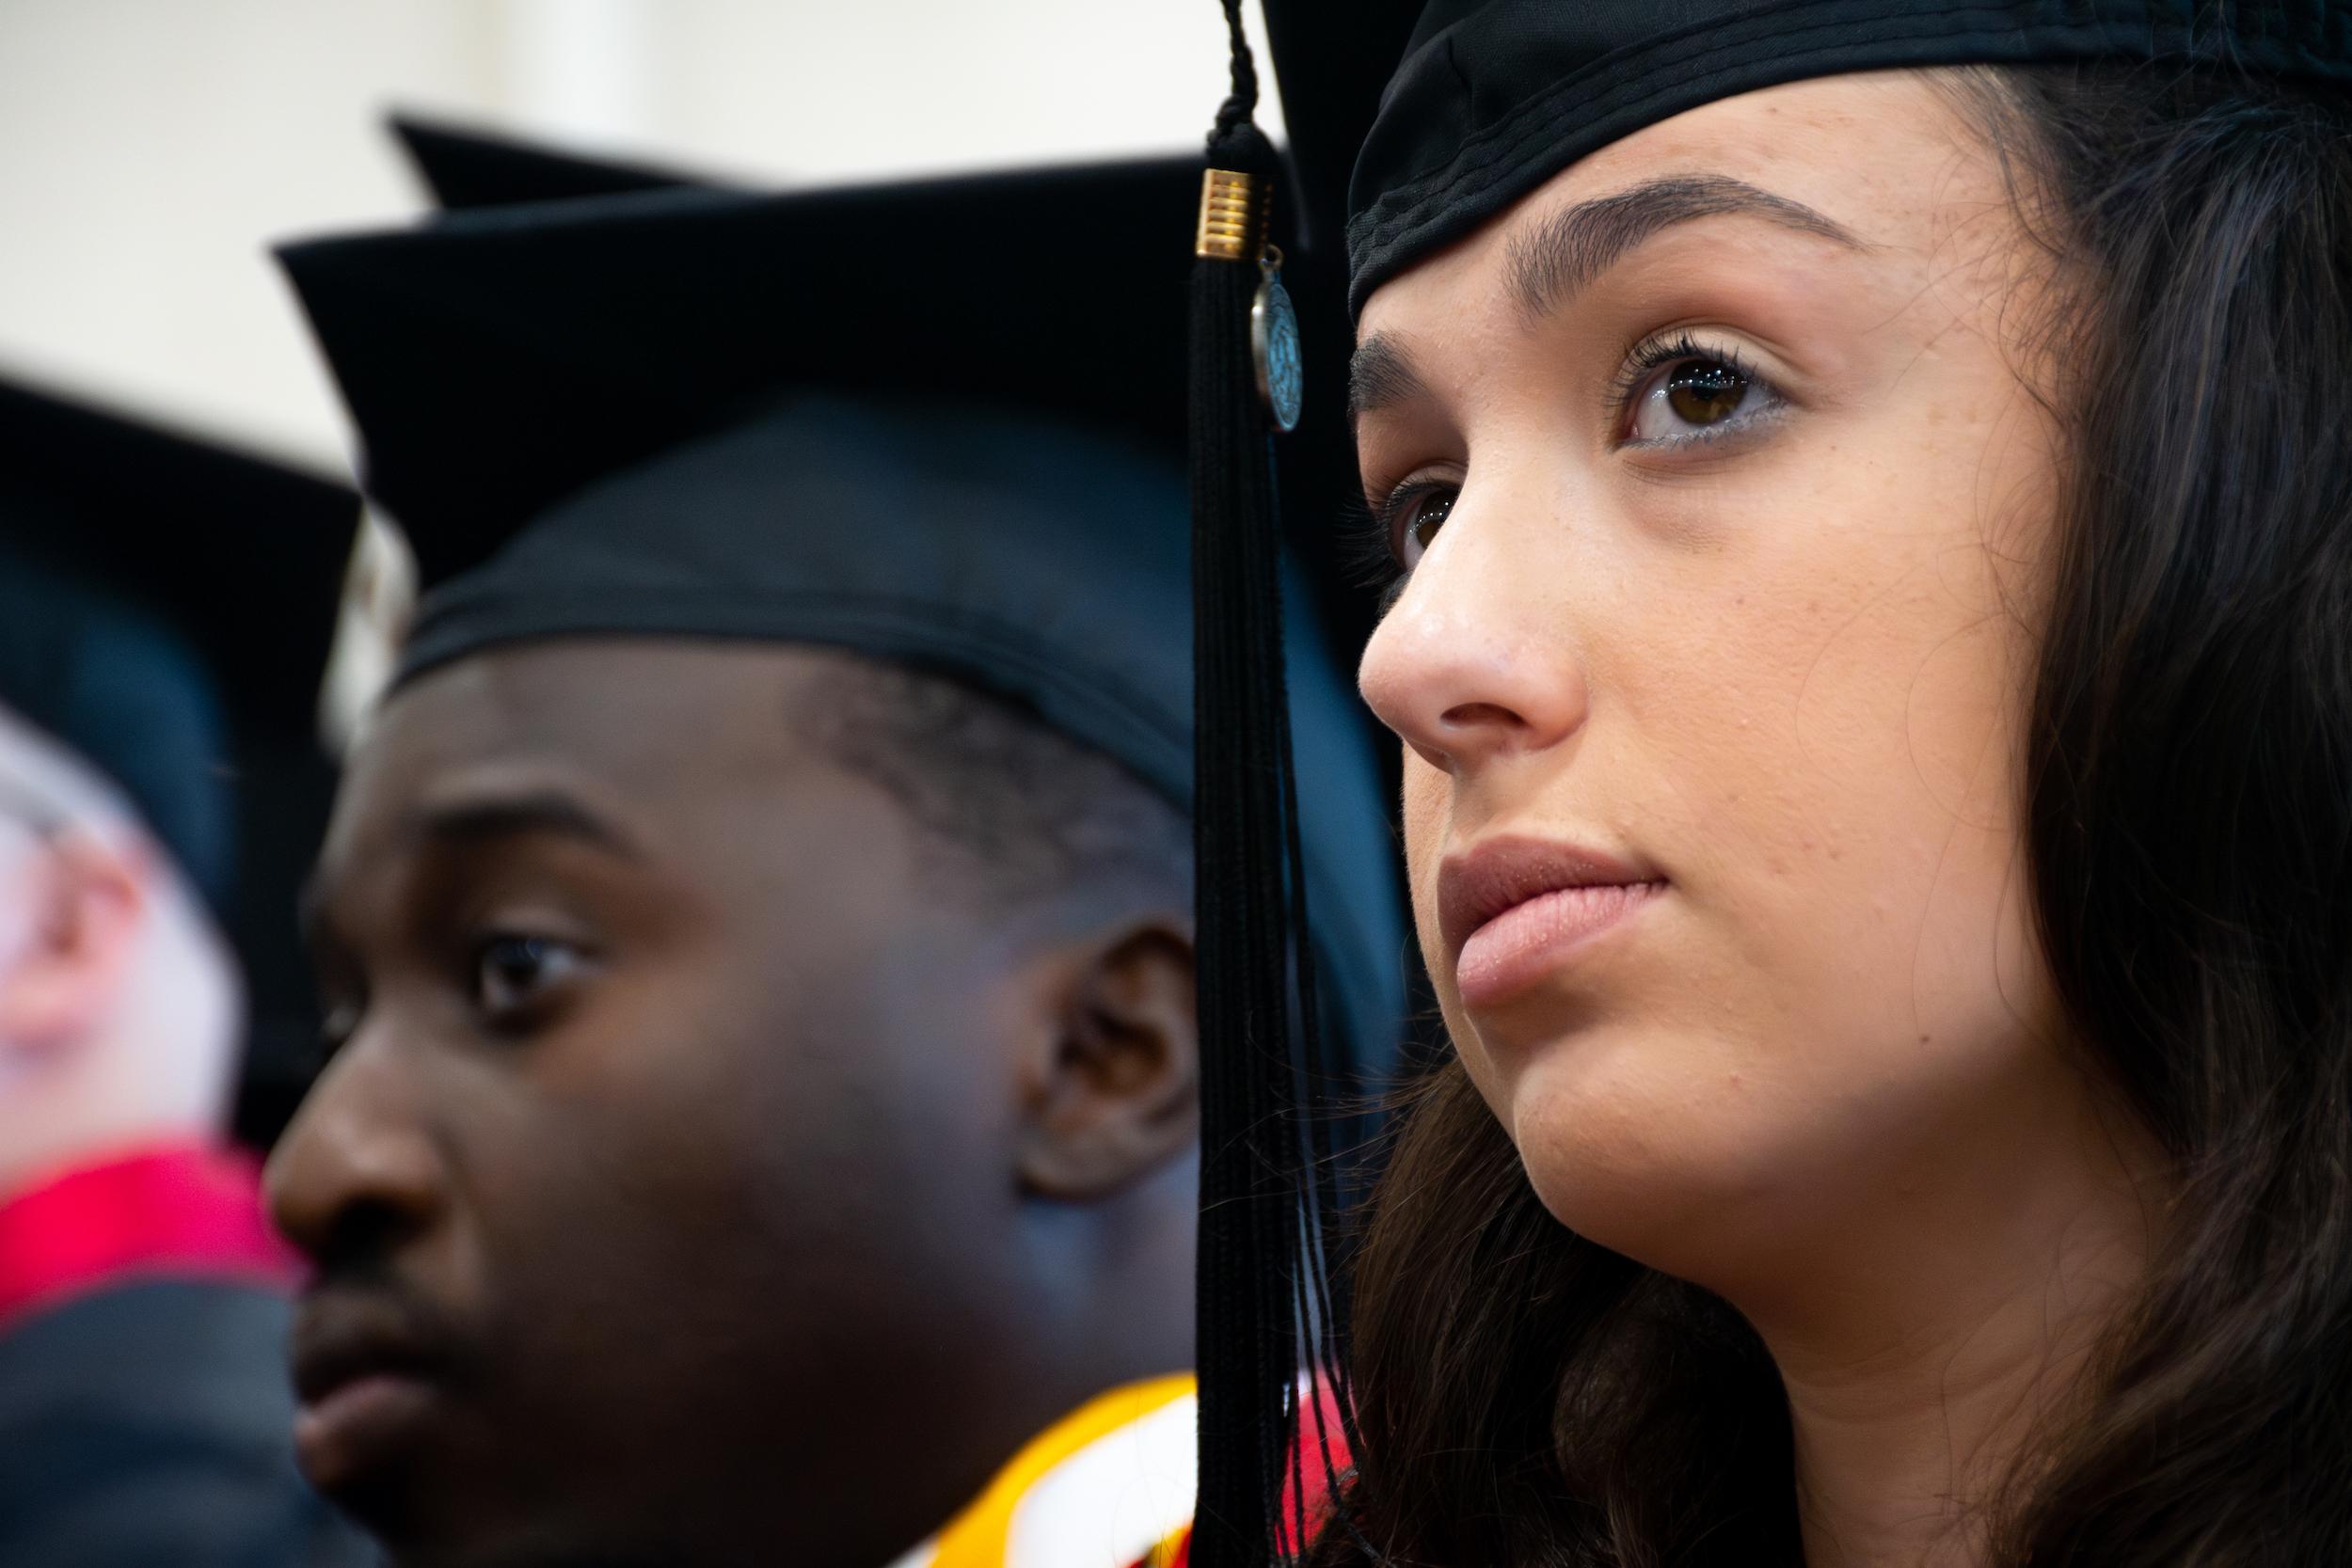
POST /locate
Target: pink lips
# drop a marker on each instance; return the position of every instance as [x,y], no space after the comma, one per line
[1514,909]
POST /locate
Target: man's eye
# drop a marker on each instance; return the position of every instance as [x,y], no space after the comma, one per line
[1695,396]
[511,972]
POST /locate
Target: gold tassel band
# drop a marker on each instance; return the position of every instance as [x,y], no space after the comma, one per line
[1233,216]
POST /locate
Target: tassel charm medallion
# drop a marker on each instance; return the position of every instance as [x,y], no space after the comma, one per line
[1274,344]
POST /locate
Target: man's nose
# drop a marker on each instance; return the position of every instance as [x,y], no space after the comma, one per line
[356,1163]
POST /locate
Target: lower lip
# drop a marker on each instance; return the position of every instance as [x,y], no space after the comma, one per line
[357,1425]
[1527,941]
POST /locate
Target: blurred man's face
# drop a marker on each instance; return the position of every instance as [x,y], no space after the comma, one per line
[658,1188]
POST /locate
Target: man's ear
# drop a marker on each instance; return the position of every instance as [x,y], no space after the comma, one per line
[86,896]
[1111,1092]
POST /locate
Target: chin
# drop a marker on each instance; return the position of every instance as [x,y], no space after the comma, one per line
[1647,1143]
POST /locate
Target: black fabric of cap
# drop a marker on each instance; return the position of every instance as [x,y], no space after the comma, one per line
[1495,96]
[118,688]
[891,418]
[165,610]
[501,359]
[1331,59]
[469,166]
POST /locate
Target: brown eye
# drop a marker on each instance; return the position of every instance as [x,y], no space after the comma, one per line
[1418,521]
[511,972]
[1704,391]
[1696,395]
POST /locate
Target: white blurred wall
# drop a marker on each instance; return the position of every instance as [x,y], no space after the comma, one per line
[150,149]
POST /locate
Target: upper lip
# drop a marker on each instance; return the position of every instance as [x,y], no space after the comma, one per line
[1476,885]
[339,1341]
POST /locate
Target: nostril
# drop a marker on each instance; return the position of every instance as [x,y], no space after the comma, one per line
[361,1234]
[1465,716]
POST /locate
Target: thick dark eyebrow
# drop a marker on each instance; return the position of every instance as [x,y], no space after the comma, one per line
[534,812]
[473,818]
[1381,375]
[1547,265]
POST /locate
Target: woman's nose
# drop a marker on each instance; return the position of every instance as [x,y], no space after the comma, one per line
[1477,661]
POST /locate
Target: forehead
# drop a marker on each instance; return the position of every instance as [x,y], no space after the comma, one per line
[609,701]
[653,729]
[1892,156]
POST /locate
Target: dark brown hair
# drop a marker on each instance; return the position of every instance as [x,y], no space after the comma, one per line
[1527,1398]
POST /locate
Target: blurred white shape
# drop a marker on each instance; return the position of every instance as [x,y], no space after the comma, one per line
[379,600]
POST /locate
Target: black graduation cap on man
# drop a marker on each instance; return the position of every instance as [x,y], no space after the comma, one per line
[970,467]
[167,606]
[1484,102]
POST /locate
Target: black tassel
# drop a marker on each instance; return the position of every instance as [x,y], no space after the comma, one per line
[1263,1311]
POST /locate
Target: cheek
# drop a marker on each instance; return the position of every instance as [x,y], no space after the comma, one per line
[608,1153]
[1821,741]
[1849,733]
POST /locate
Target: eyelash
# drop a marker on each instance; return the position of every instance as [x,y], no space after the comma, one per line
[1374,527]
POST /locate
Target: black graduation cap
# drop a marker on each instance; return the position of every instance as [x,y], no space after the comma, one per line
[893,419]
[1494,97]
[469,165]
[1331,59]
[167,606]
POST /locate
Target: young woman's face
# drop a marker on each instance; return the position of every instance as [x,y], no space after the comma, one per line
[1727,512]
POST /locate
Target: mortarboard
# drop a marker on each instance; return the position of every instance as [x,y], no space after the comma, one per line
[1494,97]
[1483,101]
[876,417]
[166,605]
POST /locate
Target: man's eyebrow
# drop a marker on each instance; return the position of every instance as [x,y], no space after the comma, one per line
[552,812]
[1380,376]
[1551,263]
[470,817]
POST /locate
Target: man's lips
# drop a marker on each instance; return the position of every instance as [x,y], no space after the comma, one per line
[1513,908]
[365,1378]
